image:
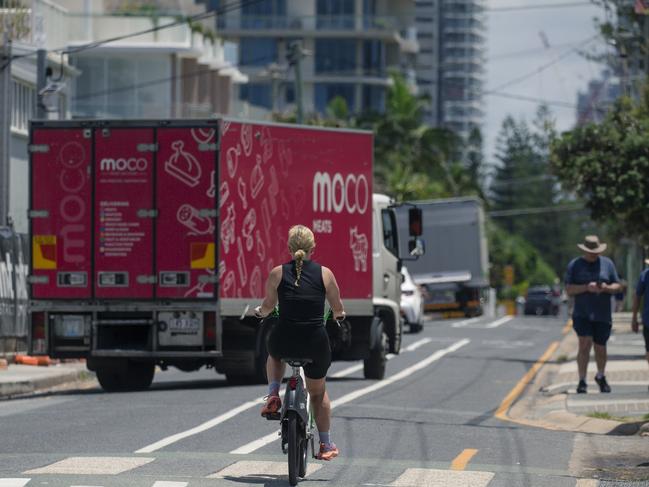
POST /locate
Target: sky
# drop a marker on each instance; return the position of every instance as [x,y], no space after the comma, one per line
[516,46]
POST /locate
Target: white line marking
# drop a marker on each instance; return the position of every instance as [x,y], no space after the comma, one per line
[92,465]
[425,477]
[419,343]
[463,323]
[13,482]
[587,483]
[501,321]
[259,443]
[348,371]
[165,483]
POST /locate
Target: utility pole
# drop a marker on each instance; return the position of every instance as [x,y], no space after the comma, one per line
[41,82]
[294,57]
[5,124]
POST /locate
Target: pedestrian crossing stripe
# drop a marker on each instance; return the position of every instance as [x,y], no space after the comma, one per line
[425,477]
[14,482]
[259,469]
[92,466]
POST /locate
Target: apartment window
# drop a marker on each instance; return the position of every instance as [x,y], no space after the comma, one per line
[265,7]
[22,105]
[325,92]
[424,4]
[257,51]
[369,7]
[424,35]
[424,20]
[373,58]
[335,56]
[373,98]
[335,14]
[259,94]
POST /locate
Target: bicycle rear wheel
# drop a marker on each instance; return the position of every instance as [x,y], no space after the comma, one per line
[304,455]
[293,448]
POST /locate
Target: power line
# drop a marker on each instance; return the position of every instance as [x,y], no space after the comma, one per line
[515,8]
[512,96]
[536,211]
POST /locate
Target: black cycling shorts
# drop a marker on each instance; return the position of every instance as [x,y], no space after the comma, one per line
[645,332]
[295,341]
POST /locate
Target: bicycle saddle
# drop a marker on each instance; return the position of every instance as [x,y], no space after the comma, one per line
[297,362]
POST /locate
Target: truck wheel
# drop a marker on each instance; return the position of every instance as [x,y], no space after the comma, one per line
[374,365]
[122,376]
[416,327]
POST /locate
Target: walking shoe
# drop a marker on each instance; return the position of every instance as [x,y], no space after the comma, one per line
[603,385]
[582,387]
[328,451]
[271,409]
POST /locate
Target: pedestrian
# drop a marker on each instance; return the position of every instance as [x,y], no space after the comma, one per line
[642,293]
[592,279]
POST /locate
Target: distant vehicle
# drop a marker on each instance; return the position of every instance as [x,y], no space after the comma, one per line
[454,270]
[542,300]
[412,302]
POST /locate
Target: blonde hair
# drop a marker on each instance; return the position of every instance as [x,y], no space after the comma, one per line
[300,242]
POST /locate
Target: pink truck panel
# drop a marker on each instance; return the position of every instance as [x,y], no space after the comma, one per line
[123,232]
[61,234]
[274,177]
[186,224]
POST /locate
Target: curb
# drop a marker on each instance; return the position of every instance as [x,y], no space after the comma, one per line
[26,387]
[531,408]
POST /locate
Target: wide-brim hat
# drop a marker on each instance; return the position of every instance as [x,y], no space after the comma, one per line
[592,245]
[646,261]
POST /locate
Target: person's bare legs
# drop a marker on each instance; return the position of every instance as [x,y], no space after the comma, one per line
[600,358]
[583,355]
[320,403]
[275,369]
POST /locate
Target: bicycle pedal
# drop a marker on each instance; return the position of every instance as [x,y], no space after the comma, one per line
[273,416]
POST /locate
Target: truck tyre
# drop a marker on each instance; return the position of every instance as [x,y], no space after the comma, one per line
[123,376]
[374,365]
[416,327]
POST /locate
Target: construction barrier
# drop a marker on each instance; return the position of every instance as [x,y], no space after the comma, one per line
[14,250]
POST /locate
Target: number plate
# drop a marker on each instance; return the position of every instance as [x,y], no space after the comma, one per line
[73,326]
[184,324]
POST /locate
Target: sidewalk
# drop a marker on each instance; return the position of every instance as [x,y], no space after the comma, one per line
[17,380]
[551,401]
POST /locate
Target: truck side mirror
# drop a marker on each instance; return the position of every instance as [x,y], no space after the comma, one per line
[416,247]
[415,222]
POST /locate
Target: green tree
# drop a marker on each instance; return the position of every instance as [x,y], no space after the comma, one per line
[607,166]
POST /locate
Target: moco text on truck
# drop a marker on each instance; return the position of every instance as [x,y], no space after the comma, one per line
[152,240]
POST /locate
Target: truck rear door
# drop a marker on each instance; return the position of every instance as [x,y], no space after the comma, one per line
[61,213]
[124,213]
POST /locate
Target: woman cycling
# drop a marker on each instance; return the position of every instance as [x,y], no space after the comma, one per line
[301,287]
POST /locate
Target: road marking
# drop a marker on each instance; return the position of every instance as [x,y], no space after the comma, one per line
[462,460]
[426,477]
[587,483]
[419,343]
[14,482]
[464,323]
[92,465]
[258,470]
[164,483]
[567,328]
[501,412]
[407,372]
[501,321]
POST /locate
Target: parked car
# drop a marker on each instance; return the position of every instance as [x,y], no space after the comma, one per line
[412,302]
[542,300]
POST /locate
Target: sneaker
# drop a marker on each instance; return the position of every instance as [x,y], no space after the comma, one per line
[603,385]
[272,407]
[582,387]
[328,451]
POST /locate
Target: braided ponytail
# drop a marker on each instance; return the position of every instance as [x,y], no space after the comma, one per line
[300,242]
[299,262]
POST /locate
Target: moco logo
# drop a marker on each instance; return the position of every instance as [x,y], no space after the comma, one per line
[340,193]
[122,165]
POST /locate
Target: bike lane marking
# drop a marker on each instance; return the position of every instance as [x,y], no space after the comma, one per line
[501,321]
[14,482]
[257,470]
[419,343]
[265,440]
[462,460]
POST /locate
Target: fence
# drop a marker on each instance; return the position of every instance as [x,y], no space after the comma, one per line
[13,292]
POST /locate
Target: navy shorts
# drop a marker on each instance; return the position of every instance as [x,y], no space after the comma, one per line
[599,330]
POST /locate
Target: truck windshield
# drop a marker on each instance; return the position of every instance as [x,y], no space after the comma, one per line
[390,237]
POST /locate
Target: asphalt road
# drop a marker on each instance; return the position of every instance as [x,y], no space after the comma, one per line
[431,423]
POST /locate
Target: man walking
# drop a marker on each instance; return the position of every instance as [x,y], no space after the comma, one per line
[642,292]
[592,279]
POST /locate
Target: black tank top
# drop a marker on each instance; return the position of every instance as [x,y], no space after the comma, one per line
[304,304]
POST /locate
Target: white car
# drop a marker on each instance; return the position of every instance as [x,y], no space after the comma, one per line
[412,302]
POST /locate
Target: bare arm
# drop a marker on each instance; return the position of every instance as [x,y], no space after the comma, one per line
[612,288]
[270,301]
[574,289]
[333,293]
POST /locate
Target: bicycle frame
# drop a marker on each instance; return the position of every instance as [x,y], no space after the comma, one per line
[296,398]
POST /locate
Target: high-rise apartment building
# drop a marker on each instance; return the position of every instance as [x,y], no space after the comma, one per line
[352,46]
[451,61]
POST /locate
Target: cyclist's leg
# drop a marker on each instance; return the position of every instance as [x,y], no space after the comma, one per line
[275,369]
[320,403]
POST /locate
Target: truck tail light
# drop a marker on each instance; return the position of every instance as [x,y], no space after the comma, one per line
[209,328]
[38,333]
